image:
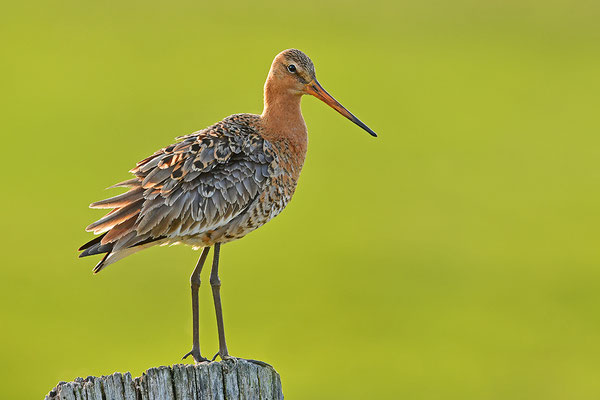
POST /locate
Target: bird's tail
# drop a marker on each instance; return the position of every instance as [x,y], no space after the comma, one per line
[110,258]
[95,246]
[118,237]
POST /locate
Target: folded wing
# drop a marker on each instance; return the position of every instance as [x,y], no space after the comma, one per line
[196,185]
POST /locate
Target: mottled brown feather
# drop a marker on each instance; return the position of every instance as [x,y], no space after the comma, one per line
[191,187]
[120,200]
[115,217]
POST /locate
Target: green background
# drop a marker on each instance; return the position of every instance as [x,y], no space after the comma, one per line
[455,256]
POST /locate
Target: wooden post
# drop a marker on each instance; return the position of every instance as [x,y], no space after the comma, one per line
[225,380]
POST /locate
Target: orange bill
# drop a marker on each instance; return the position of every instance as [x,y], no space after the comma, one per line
[314,88]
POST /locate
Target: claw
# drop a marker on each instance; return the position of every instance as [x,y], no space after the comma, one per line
[224,357]
[197,357]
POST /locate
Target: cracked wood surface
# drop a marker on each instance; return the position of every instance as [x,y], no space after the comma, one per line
[225,380]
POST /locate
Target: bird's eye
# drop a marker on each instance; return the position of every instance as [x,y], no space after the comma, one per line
[292,68]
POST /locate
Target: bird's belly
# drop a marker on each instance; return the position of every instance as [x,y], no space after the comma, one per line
[267,205]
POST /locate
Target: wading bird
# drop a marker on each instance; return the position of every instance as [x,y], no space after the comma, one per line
[216,185]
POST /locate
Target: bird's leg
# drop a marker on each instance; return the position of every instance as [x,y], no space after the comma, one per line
[215,283]
[195,284]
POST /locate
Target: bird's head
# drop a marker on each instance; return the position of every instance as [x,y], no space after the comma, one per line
[293,73]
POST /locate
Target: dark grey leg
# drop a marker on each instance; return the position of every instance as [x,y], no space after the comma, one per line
[195,283]
[215,282]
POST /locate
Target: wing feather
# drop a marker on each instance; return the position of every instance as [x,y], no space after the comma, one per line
[120,200]
[193,186]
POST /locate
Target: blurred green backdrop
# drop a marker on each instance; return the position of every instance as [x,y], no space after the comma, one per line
[456,256]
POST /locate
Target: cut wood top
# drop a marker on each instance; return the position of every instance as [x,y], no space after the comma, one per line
[239,379]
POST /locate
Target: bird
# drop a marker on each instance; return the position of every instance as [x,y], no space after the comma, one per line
[216,185]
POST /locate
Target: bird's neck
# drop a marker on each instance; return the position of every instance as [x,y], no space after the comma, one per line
[282,119]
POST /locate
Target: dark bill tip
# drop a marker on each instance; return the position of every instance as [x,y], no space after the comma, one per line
[314,88]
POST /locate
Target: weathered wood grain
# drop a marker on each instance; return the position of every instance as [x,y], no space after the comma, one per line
[225,380]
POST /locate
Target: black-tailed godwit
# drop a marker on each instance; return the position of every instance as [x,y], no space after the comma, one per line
[216,185]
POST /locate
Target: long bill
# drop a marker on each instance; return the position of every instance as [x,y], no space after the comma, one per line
[314,88]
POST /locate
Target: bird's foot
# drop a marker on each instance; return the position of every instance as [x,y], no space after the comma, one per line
[195,353]
[224,357]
